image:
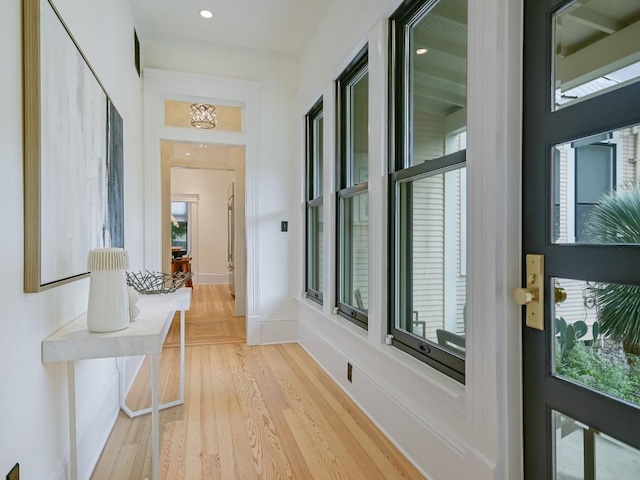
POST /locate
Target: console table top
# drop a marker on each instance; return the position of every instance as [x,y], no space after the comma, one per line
[144,335]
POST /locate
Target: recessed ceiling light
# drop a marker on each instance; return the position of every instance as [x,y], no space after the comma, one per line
[206,14]
[421,51]
[188,154]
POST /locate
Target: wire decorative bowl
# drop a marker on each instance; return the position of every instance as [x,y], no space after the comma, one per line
[157,282]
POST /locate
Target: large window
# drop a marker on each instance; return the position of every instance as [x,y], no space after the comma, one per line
[427,316]
[315,216]
[352,93]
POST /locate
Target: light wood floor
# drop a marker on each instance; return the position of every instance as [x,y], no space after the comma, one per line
[267,412]
[210,321]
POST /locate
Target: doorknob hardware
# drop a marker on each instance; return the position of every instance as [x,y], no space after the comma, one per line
[524,296]
[533,294]
[560,294]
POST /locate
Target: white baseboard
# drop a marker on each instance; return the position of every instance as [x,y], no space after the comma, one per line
[211,278]
[279,330]
[131,366]
[430,449]
[480,467]
[254,330]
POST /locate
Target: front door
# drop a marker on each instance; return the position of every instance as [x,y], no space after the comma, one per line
[581,211]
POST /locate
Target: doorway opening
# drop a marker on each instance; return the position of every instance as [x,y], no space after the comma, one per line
[203,230]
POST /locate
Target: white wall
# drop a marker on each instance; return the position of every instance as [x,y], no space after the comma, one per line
[277,167]
[449,430]
[212,187]
[33,399]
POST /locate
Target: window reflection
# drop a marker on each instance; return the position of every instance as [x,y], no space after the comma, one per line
[596,49]
[594,184]
[433,280]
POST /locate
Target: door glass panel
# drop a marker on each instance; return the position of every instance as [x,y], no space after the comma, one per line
[595,187]
[581,452]
[432,271]
[597,337]
[437,97]
[354,251]
[596,49]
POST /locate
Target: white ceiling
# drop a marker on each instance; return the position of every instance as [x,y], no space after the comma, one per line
[275,26]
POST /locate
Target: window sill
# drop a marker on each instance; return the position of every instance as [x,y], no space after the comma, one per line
[338,319]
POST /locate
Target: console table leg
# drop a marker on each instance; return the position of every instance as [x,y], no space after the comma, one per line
[182,334]
[73,450]
[155,424]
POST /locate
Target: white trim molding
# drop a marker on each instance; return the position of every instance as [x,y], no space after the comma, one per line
[254,330]
[279,330]
[212,278]
[185,197]
[161,85]
[494,180]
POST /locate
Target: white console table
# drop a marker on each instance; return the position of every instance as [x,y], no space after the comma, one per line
[144,336]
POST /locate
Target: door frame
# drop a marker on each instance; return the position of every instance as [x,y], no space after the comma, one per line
[493,392]
[161,85]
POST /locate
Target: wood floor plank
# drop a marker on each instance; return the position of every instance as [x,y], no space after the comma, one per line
[322,424]
[268,454]
[369,442]
[210,445]
[313,457]
[277,404]
[193,444]
[236,457]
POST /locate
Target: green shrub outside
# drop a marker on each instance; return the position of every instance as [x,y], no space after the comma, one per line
[587,366]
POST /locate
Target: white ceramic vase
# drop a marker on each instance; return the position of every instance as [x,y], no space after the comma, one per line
[108,309]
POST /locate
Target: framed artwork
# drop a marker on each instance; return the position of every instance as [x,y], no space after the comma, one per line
[73,147]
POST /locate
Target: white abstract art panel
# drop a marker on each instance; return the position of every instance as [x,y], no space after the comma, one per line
[73,182]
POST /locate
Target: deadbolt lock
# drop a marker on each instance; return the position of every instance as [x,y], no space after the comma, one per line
[533,294]
[560,294]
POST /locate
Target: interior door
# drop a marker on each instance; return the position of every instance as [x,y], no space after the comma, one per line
[231,237]
[581,211]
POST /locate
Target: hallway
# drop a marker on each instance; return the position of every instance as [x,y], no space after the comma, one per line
[250,413]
